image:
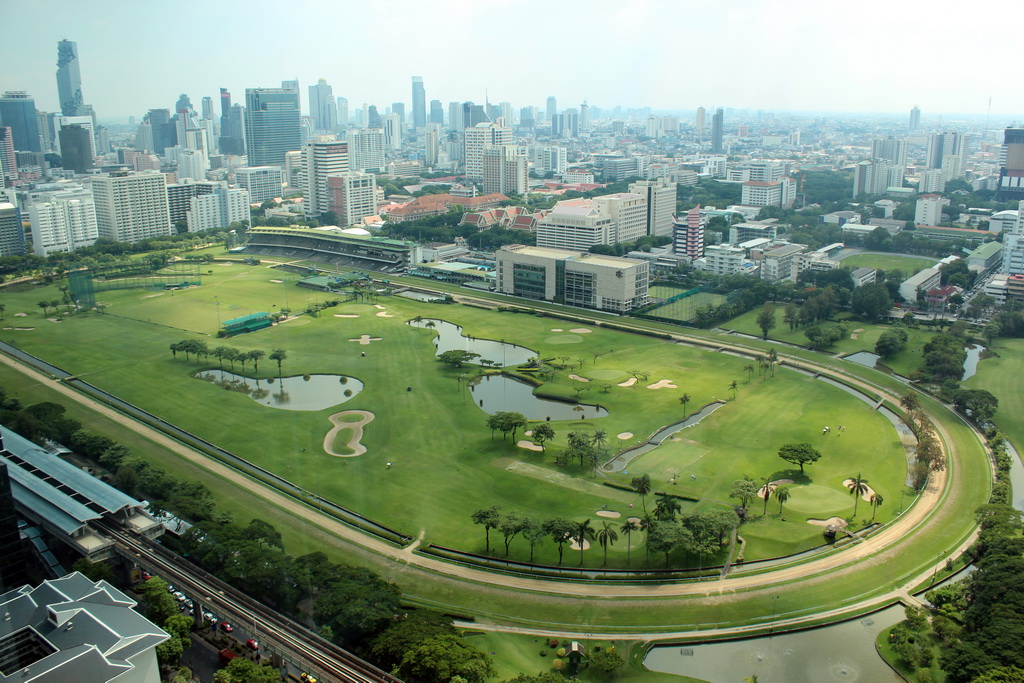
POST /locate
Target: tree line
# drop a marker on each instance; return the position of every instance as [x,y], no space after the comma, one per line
[200,347]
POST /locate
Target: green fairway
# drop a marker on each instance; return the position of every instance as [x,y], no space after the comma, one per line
[908,265]
[1000,373]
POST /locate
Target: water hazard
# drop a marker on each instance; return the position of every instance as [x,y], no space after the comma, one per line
[305,392]
[495,393]
[450,338]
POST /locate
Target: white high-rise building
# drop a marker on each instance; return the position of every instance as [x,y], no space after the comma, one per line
[219,209]
[431,143]
[932,181]
[322,107]
[928,210]
[192,163]
[261,182]
[1013,244]
[131,206]
[548,159]
[661,204]
[366,149]
[353,197]
[505,170]
[582,223]
[321,157]
[942,145]
[64,223]
[393,131]
[342,113]
[479,137]
[701,121]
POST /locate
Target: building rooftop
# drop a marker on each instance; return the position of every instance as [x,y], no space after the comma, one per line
[987,250]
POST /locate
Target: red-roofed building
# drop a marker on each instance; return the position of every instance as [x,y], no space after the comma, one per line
[437,204]
[938,297]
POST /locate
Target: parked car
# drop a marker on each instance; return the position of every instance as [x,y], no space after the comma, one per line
[226,627]
[252,644]
[180,596]
[146,576]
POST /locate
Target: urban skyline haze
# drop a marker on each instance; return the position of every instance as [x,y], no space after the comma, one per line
[874,56]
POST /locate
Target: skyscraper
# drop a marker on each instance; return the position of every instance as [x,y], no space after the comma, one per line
[272,125]
[688,233]
[890,149]
[69,80]
[915,118]
[393,131]
[480,137]
[322,107]
[373,117]
[76,146]
[436,112]
[8,160]
[18,112]
[342,115]
[321,158]
[165,133]
[717,126]
[701,122]
[232,126]
[947,151]
[661,204]
[1011,174]
[64,223]
[131,206]
[353,196]
[207,108]
[12,235]
[419,103]
[366,149]
[552,108]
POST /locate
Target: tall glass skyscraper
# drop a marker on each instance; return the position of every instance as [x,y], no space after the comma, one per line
[18,112]
[69,79]
[272,125]
[419,103]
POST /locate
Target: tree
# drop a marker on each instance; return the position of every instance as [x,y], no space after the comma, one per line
[791,316]
[876,501]
[533,531]
[278,355]
[510,525]
[356,604]
[765,492]
[607,660]
[744,490]
[666,508]
[255,355]
[505,421]
[444,658]
[606,536]
[159,604]
[982,404]
[773,359]
[782,495]
[749,369]
[560,529]
[628,527]
[582,532]
[665,537]
[799,454]
[175,347]
[94,571]
[642,485]
[263,532]
[871,301]
[242,670]
[684,399]
[858,487]
[543,432]
[766,320]
[456,358]
[45,305]
[409,630]
[489,518]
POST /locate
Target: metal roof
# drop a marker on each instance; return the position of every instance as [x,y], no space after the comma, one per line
[49,503]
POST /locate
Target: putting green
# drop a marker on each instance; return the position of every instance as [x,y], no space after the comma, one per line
[817,500]
[606,374]
[564,339]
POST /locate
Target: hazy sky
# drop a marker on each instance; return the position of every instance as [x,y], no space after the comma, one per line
[791,55]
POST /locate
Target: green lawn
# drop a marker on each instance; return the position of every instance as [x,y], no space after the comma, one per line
[907,264]
[685,309]
[1000,374]
[860,337]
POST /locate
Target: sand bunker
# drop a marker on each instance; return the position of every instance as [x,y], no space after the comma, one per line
[23,329]
[831,521]
[54,320]
[662,384]
[530,446]
[277,281]
[150,296]
[580,330]
[573,545]
[557,329]
[379,306]
[635,520]
[867,493]
[365,339]
[611,514]
[625,435]
[21,315]
[354,441]
[382,314]
[578,378]
[774,485]
[346,315]
[628,383]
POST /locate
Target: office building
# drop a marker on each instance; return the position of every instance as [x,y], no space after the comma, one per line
[479,137]
[775,193]
[179,198]
[579,224]
[393,132]
[321,158]
[158,132]
[753,230]
[933,181]
[323,107]
[473,114]
[890,149]
[76,148]
[781,263]
[436,112]
[661,204]
[688,234]
[551,108]
[366,149]
[66,222]
[547,159]
[717,131]
[915,118]
[8,158]
[352,196]
[875,177]
[948,144]
[928,210]
[232,126]
[218,209]
[18,112]
[75,629]
[504,170]
[419,103]
[723,259]
[12,234]
[342,113]
[455,118]
[756,170]
[1011,173]
[571,277]
[701,122]
[69,80]
[272,125]
[431,144]
[919,283]
[131,206]
[261,182]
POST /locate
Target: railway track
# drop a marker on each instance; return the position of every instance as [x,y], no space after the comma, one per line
[304,648]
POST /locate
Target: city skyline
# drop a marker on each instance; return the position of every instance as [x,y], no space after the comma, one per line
[755,56]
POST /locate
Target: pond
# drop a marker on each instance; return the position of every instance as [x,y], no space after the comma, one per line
[974,352]
[449,337]
[420,296]
[842,652]
[288,393]
[495,393]
[863,358]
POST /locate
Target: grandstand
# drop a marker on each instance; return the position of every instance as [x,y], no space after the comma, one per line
[334,248]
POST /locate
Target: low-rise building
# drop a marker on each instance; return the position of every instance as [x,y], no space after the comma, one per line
[864,276]
[780,192]
[608,283]
[922,281]
[781,263]
[986,257]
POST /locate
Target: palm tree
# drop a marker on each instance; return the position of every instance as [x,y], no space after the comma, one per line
[278,355]
[642,485]
[773,358]
[762,363]
[734,387]
[605,537]
[782,495]
[749,369]
[876,501]
[666,508]
[646,524]
[684,399]
[581,533]
[255,356]
[766,492]
[858,487]
[45,305]
[628,527]
[600,438]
